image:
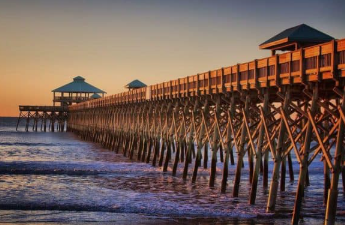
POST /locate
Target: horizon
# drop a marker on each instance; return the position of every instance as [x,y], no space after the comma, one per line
[112,43]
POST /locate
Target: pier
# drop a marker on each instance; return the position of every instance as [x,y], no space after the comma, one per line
[289,106]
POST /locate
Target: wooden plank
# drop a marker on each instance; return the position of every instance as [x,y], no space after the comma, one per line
[341,45]
[325,68]
[311,71]
[296,55]
[270,44]
[286,57]
[227,70]
[251,65]
[326,48]
[262,63]
[272,61]
[234,69]
[311,52]
[220,80]
[243,67]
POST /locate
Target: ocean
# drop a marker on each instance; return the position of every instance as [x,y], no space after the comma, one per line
[56,178]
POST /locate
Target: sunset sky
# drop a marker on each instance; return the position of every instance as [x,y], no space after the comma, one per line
[44,44]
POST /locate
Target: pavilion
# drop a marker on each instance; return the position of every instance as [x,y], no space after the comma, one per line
[135,84]
[75,92]
[295,38]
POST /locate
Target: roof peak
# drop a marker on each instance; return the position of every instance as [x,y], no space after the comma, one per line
[303,25]
[79,78]
[78,85]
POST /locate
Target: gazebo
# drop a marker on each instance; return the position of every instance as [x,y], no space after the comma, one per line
[75,92]
[135,84]
[295,38]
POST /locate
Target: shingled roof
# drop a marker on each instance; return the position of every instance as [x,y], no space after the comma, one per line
[301,33]
[78,86]
[135,84]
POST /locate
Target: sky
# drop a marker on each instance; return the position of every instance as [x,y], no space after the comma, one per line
[44,44]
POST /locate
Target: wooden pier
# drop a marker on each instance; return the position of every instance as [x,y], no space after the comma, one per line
[48,118]
[286,106]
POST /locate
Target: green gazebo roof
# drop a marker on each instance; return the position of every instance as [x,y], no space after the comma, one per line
[78,86]
[135,84]
[95,96]
[301,33]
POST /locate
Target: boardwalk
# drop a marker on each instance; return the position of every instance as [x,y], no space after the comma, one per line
[276,107]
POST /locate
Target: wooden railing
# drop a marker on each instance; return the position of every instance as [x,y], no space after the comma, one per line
[71,99]
[43,108]
[312,64]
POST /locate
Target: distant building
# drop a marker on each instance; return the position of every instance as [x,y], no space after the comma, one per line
[135,84]
[75,92]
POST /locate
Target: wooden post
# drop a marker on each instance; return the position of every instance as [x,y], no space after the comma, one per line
[327,181]
[228,145]
[205,154]
[265,172]
[52,128]
[190,142]
[283,174]
[200,142]
[168,156]
[241,152]
[304,161]
[169,143]
[156,150]
[215,145]
[182,150]
[277,160]
[177,158]
[290,167]
[27,122]
[258,157]
[161,156]
[18,121]
[144,148]
[179,144]
[149,145]
[331,207]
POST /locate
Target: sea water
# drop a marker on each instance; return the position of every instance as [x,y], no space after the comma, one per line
[48,178]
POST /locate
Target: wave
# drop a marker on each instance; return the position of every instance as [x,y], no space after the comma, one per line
[70,168]
[59,207]
[130,209]
[239,214]
[48,172]
[35,144]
